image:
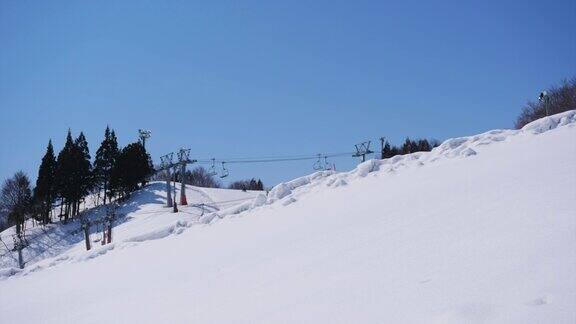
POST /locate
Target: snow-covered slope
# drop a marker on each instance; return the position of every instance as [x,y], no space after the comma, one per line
[480,230]
[142,217]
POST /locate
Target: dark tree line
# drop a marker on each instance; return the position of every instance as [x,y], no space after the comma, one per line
[409,146]
[562,98]
[71,176]
[244,185]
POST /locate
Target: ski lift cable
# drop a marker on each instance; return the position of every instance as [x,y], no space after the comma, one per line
[274,159]
[278,157]
[263,157]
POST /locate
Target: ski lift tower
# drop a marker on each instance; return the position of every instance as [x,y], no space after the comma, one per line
[362,149]
[166,164]
[544,98]
[382,143]
[183,159]
[144,134]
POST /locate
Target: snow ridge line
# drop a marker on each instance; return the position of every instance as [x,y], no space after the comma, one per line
[461,147]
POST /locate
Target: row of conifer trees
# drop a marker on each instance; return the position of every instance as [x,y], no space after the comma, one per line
[409,146]
[71,176]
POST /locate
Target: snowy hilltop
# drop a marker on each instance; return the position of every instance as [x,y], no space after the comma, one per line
[479,230]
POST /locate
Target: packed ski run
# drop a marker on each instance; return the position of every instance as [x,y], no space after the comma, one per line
[479,230]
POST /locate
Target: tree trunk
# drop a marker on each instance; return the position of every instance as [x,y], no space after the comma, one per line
[66,211]
[105,188]
[46,211]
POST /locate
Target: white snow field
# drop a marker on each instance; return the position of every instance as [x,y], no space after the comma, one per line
[480,230]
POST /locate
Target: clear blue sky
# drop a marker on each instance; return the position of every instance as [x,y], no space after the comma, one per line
[252,78]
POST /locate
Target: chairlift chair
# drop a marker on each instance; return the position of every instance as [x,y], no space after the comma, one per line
[224,171]
[327,166]
[212,171]
[318,164]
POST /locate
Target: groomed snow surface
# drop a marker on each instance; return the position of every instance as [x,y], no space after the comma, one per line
[480,230]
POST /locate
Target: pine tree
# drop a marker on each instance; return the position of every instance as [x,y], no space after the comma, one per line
[132,167]
[105,159]
[424,146]
[407,146]
[64,176]
[82,173]
[386,151]
[394,151]
[116,178]
[44,192]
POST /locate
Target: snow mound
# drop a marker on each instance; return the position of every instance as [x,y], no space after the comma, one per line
[548,123]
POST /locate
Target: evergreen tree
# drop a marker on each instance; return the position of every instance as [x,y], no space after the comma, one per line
[424,146]
[105,159]
[44,192]
[116,178]
[132,167]
[414,146]
[64,175]
[82,171]
[386,151]
[407,146]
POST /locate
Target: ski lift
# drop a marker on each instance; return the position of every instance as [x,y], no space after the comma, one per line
[213,168]
[224,171]
[318,164]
